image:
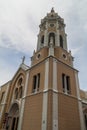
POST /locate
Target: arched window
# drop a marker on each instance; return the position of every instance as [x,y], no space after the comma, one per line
[20,81]
[42,39]
[20,92]
[61,41]
[52,38]
[16,93]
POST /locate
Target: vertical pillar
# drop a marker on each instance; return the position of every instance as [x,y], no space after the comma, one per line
[23,103]
[55,96]
[51,50]
[46,36]
[82,123]
[38,42]
[45,97]
[57,42]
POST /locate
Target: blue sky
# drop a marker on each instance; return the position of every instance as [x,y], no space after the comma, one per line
[19,27]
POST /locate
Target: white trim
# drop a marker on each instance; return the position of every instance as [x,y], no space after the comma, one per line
[45,97]
[55,74]
[57,35]
[77,85]
[51,51]
[44,113]
[79,103]
[55,96]
[55,111]
[46,74]
[45,38]
[23,103]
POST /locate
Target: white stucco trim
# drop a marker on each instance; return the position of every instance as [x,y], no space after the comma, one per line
[57,35]
[55,96]
[45,97]
[51,51]
[45,38]
[55,111]
[46,74]
[44,112]
[23,103]
[55,74]
[82,123]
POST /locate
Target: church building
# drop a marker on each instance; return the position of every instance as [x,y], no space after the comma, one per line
[46,95]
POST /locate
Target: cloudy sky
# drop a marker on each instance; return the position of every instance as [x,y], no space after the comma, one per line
[19,20]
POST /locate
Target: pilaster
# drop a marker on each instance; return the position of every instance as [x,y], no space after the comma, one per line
[45,97]
[57,43]
[82,123]
[23,102]
[55,96]
[46,36]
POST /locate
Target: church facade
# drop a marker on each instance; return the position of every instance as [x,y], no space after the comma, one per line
[45,96]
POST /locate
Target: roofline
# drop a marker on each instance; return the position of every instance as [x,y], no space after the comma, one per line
[6,83]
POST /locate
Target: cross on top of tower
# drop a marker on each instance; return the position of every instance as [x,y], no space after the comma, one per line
[23,59]
[52,10]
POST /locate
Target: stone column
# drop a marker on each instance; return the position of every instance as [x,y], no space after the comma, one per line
[57,42]
[45,97]
[55,96]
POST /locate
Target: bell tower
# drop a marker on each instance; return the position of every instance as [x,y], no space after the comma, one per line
[52,101]
[52,27]
[52,40]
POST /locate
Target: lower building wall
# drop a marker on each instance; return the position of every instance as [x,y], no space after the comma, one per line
[32,119]
[68,112]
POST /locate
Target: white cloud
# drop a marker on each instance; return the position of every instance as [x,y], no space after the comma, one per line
[6,72]
[17,25]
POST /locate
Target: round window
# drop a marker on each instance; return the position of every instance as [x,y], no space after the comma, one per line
[38,56]
[64,56]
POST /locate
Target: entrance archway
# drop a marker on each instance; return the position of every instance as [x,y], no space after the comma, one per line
[13,117]
[85,116]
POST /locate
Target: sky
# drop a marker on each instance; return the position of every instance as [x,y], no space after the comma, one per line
[19,27]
